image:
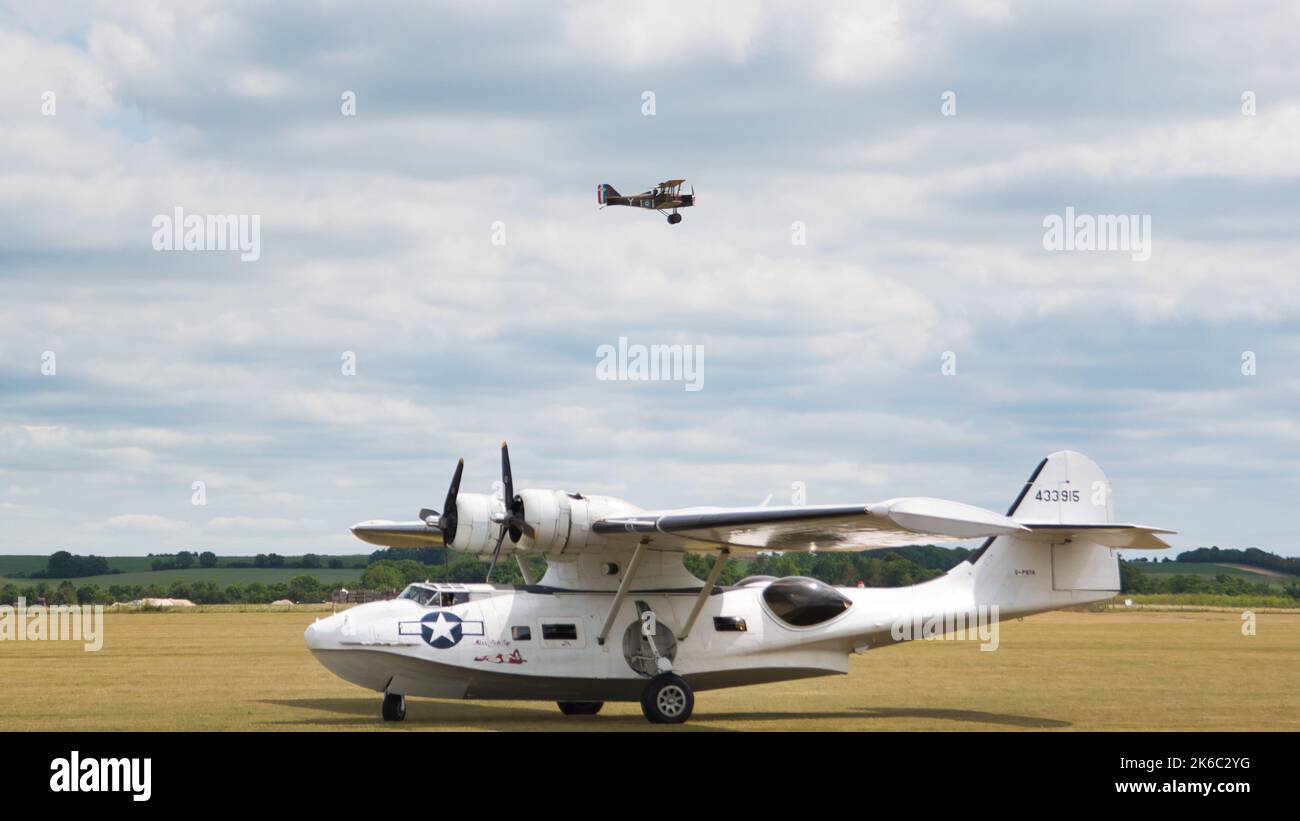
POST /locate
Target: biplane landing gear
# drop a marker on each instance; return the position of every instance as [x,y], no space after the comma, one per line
[673,219]
[580,708]
[667,699]
[394,707]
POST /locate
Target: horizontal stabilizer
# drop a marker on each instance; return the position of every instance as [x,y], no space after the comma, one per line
[1133,537]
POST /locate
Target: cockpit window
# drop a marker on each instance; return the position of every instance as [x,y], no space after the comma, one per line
[432,597]
[803,602]
[420,595]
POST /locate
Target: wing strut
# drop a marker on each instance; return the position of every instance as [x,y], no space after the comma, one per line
[705,592]
[523,568]
[623,587]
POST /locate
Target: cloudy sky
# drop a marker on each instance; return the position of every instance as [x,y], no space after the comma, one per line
[823,361]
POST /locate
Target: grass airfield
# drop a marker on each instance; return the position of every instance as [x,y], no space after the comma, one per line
[1118,670]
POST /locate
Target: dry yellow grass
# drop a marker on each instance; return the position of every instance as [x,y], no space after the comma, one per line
[1063,671]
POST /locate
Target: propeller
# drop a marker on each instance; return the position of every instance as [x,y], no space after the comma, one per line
[446,522]
[513,520]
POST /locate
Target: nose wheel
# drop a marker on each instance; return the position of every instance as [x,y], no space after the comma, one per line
[667,699]
[394,707]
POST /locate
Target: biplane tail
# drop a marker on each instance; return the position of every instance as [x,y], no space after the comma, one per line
[604,191]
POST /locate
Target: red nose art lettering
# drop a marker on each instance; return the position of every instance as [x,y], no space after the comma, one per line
[499,658]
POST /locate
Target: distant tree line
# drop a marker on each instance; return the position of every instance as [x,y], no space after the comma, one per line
[1252,556]
[62,565]
[300,589]
[1133,580]
[391,569]
[310,561]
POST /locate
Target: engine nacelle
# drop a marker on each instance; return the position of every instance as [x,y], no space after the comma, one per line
[562,522]
[475,530]
[550,512]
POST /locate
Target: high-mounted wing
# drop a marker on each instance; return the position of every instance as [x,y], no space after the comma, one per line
[812,527]
[398,534]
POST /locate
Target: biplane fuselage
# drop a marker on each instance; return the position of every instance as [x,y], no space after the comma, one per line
[666,197]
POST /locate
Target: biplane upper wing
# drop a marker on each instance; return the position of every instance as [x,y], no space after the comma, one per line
[671,183]
[892,523]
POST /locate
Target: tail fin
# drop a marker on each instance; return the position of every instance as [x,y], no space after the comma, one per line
[604,191]
[1069,554]
[1066,487]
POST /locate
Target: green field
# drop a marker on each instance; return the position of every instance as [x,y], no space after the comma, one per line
[137,570]
[223,576]
[1211,569]
[225,670]
[1200,569]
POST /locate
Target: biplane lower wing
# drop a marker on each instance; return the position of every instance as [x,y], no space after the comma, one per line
[892,523]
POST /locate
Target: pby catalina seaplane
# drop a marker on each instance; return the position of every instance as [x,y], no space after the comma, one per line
[617,617]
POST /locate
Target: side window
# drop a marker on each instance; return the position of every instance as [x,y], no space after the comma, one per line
[524,633]
[803,602]
[562,634]
[729,624]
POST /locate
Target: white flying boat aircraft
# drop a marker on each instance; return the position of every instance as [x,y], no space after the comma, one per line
[617,617]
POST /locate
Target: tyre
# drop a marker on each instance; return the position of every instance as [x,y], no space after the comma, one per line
[580,708]
[667,699]
[394,707]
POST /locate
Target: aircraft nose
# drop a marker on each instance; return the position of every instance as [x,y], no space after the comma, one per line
[322,634]
[313,636]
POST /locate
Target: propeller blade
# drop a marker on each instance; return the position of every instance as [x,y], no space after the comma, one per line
[454,490]
[429,517]
[447,521]
[514,521]
[505,477]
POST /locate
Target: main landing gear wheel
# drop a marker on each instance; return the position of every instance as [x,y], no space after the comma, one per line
[667,699]
[673,219]
[580,708]
[394,707]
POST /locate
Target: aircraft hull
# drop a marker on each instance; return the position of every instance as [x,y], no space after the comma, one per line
[381,671]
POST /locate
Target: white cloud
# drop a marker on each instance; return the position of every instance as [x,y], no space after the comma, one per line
[822,360]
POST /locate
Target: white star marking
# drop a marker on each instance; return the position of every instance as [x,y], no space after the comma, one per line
[441,628]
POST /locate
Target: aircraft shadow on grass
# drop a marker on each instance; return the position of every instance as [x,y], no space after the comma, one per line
[362,712]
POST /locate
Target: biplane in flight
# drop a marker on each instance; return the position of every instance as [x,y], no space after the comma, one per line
[664,197]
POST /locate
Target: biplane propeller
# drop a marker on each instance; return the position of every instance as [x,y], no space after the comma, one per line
[666,198]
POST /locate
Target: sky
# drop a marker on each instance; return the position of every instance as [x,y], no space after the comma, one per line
[866,269]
